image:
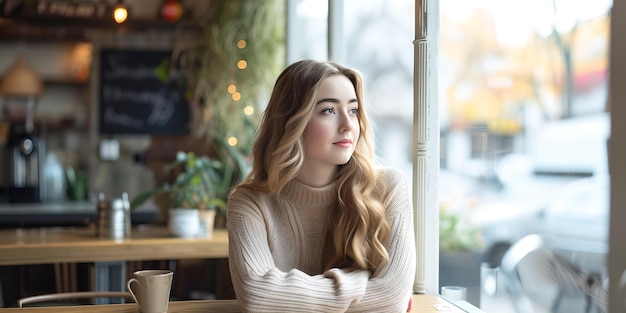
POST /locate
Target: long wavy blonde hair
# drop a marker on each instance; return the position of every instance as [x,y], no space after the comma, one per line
[359,225]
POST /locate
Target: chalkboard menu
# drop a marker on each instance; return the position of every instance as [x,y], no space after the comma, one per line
[139,96]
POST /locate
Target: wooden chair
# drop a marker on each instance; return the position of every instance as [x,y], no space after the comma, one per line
[54,297]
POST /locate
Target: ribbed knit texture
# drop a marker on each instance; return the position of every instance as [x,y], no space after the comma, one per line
[276,244]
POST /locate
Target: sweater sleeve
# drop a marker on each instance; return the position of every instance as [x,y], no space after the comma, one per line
[261,287]
[391,286]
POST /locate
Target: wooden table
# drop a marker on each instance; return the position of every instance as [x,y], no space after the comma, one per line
[80,245]
[421,303]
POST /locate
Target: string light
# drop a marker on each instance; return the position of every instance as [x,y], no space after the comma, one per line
[236,96]
[232,141]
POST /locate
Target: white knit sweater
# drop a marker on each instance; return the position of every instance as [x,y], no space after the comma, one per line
[276,244]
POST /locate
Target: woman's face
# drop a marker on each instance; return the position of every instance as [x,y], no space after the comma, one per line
[333,131]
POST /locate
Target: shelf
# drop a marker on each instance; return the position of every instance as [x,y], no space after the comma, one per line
[65,81]
[72,31]
[14,30]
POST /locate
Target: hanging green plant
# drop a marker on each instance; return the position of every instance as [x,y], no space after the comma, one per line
[231,60]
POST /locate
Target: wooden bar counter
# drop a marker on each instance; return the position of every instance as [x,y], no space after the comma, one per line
[80,244]
[421,303]
[62,245]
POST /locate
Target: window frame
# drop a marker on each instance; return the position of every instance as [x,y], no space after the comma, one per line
[617,154]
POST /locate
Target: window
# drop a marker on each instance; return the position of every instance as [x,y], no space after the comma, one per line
[521,122]
[524,130]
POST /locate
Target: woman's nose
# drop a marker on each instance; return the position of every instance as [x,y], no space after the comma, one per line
[347,122]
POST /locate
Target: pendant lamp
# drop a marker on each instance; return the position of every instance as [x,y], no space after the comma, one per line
[20,87]
[21,80]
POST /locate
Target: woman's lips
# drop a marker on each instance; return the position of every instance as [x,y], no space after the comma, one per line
[346,143]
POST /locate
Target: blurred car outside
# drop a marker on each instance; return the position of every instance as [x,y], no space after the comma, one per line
[560,190]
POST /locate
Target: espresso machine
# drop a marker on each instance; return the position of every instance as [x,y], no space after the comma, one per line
[26,154]
[24,150]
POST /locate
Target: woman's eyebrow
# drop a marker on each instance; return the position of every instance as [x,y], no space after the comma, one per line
[333,100]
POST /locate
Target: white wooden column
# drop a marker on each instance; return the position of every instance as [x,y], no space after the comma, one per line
[426,146]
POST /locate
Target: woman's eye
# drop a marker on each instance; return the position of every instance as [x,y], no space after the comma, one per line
[328,111]
[354,111]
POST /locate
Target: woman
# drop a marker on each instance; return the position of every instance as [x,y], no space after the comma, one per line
[316,227]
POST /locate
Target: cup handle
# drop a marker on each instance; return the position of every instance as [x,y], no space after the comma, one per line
[130,281]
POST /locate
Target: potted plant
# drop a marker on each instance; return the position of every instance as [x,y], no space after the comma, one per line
[460,249]
[198,191]
[456,233]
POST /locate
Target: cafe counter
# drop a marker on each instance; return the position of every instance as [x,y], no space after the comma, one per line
[80,244]
[62,245]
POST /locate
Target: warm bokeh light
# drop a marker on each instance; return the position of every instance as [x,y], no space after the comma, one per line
[248,110]
[241,44]
[81,60]
[242,64]
[232,89]
[236,96]
[120,14]
[171,10]
[232,141]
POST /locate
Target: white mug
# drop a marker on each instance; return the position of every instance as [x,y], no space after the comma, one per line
[151,290]
[454,293]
